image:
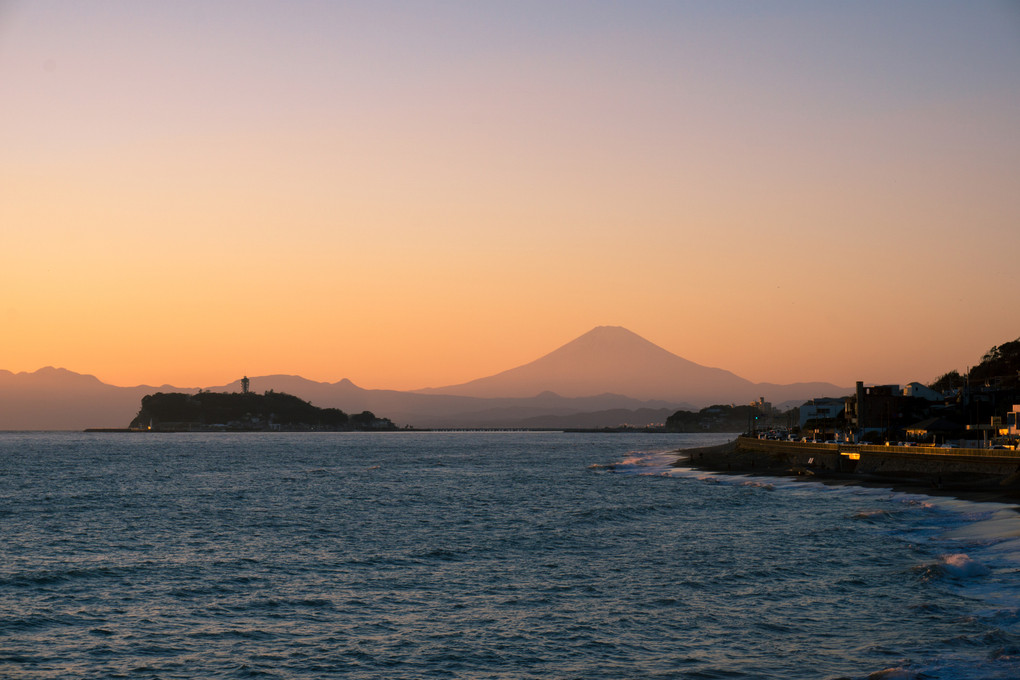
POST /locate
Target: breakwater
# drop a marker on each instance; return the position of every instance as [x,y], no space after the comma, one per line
[995,470]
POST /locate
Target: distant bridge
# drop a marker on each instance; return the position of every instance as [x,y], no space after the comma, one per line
[481,429]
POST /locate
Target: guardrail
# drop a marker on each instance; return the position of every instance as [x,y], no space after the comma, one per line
[777,446]
[941,452]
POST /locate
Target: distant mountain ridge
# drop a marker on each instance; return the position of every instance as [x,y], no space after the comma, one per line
[58,399]
[615,360]
[609,370]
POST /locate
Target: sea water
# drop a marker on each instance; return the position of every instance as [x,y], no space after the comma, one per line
[481,555]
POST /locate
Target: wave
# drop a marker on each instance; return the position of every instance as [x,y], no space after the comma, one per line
[896,673]
[50,576]
[641,463]
[873,515]
[956,566]
[969,549]
[960,565]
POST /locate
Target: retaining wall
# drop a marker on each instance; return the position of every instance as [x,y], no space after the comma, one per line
[946,466]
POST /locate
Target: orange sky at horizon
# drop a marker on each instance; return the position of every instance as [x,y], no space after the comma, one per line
[411,196]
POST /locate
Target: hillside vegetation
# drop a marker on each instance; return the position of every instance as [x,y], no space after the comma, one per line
[1001,364]
[246,411]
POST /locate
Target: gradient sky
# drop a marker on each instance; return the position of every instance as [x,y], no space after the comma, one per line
[413,194]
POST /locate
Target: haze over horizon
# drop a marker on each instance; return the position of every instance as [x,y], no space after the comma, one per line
[421,195]
[608,375]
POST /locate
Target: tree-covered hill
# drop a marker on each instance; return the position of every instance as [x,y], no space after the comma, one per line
[246,411]
[718,418]
[1000,364]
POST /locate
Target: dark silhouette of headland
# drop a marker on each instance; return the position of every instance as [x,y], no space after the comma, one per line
[246,411]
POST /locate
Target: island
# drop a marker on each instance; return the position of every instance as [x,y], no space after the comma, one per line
[246,412]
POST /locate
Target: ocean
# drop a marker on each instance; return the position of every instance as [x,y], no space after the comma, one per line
[481,555]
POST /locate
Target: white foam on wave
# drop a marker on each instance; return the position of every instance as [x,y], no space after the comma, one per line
[999,524]
[642,463]
[972,546]
[663,463]
[965,524]
[990,531]
[1008,552]
[961,565]
[972,522]
[755,481]
[978,538]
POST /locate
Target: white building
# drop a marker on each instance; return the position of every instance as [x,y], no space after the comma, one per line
[916,389]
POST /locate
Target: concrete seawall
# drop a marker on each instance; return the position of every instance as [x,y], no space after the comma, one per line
[991,470]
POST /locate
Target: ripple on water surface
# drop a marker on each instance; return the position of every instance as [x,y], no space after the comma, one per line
[484,555]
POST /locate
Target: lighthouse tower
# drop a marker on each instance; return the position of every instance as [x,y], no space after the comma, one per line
[244,384]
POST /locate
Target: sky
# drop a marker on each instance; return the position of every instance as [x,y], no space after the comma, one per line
[414,194]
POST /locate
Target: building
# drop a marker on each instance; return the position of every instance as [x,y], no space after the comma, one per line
[766,411]
[876,408]
[916,389]
[822,410]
